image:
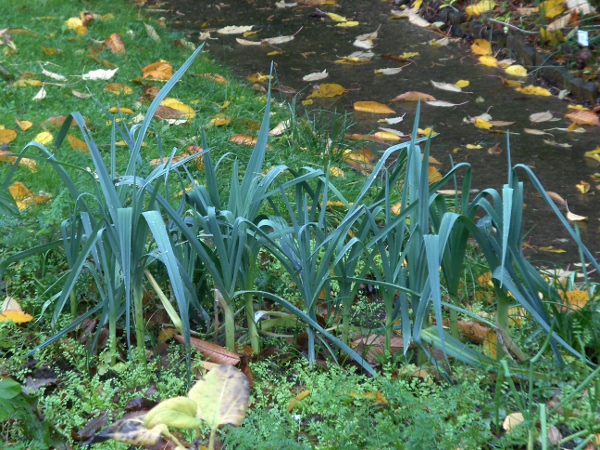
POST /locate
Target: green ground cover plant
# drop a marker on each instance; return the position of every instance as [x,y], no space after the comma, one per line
[136,261]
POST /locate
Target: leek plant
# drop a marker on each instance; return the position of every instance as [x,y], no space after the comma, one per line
[115,232]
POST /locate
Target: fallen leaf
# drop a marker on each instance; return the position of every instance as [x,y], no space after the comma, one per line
[556,197]
[479,8]
[54,76]
[118,89]
[442,103]
[483,124]
[391,71]
[434,175]
[583,117]
[214,352]
[315,76]
[40,95]
[247,42]
[574,217]
[413,96]
[115,109]
[388,135]
[427,132]
[100,74]
[15,316]
[220,120]
[364,44]
[488,60]
[235,29]
[7,136]
[24,125]
[161,71]
[500,123]
[516,70]
[574,300]
[592,154]
[44,138]
[481,47]
[534,90]
[551,249]
[552,8]
[77,144]
[512,420]
[242,139]
[473,147]
[412,16]
[462,83]
[327,91]
[115,44]
[393,120]
[348,24]
[336,17]
[536,132]
[298,398]
[278,40]
[373,107]
[540,117]
[27,82]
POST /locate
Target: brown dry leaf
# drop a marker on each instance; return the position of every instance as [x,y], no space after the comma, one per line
[77,144]
[219,79]
[373,345]
[481,47]
[583,117]
[413,96]
[6,156]
[172,103]
[115,44]
[556,197]
[80,94]
[512,420]
[7,136]
[361,160]
[373,107]
[118,89]
[473,331]
[214,352]
[161,71]
[56,122]
[242,139]
[327,91]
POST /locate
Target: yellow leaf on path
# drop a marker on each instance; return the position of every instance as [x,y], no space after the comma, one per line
[488,60]
[413,96]
[45,137]
[336,17]
[583,117]
[23,125]
[551,249]
[512,420]
[258,78]
[161,71]
[348,24]
[7,136]
[534,90]
[516,70]
[373,107]
[474,147]
[328,91]
[386,136]
[583,187]
[462,83]
[118,89]
[479,8]
[427,132]
[483,124]
[593,154]
[481,47]
[77,144]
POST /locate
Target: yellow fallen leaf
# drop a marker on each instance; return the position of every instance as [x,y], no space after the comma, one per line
[7,136]
[474,147]
[552,8]
[179,106]
[534,90]
[348,24]
[45,137]
[490,345]
[258,78]
[516,70]
[396,208]
[462,83]
[336,172]
[220,120]
[575,299]
[481,47]
[434,175]
[118,89]
[337,17]
[73,23]
[479,8]
[413,96]
[23,125]
[583,187]
[19,191]
[483,124]
[328,91]
[512,420]
[116,109]
[77,144]
[551,249]
[373,107]
[161,71]
[15,316]
[427,132]
[488,60]
[385,136]
[24,83]
[242,139]
[219,79]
